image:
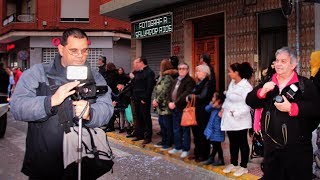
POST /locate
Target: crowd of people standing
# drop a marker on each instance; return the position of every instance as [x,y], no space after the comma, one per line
[285,104]
[227,112]
[173,89]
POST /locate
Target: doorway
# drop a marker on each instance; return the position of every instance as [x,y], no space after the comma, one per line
[209,39]
[272,35]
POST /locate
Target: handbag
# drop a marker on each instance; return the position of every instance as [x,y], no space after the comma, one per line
[257,146]
[189,113]
[96,154]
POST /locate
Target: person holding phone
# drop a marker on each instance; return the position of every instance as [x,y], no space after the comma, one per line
[49,109]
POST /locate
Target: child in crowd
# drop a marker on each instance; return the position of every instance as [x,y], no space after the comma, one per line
[213,130]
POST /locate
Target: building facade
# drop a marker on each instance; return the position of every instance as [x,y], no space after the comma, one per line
[30,29]
[229,30]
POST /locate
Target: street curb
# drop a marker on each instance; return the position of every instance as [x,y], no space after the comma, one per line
[150,147]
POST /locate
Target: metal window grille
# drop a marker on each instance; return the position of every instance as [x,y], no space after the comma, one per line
[48,54]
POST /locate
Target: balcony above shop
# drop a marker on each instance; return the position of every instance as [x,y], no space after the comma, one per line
[123,9]
[18,18]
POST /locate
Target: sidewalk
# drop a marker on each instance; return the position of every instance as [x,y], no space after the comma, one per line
[253,165]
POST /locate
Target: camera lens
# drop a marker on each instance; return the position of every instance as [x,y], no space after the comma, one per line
[278,99]
[85,90]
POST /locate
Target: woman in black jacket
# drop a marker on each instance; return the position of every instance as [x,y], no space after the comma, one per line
[123,99]
[202,92]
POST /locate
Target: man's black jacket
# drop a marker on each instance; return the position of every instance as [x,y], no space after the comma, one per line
[300,127]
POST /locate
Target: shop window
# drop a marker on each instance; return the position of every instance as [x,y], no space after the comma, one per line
[69,14]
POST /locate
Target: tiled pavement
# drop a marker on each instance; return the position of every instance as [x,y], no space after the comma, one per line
[253,165]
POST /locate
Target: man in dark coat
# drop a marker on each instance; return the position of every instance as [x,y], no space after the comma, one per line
[181,87]
[290,113]
[142,87]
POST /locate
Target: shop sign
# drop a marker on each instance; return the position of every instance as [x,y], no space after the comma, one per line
[153,26]
[10,46]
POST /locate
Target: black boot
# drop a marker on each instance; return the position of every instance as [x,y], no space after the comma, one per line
[220,162]
[209,161]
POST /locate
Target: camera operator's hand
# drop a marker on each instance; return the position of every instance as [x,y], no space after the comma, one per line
[285,106]
[79,107]
[267,87]
[63,92]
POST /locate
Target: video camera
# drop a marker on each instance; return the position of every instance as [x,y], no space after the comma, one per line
[86,90]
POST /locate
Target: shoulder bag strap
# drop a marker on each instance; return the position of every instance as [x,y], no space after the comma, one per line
[193,100]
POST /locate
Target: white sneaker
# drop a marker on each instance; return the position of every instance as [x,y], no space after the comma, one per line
[240,171]
[184,154]
[230,168]
[173,151]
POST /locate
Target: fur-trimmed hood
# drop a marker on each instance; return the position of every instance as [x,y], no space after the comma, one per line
[172,72]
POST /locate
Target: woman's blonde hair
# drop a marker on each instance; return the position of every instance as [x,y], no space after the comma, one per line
[204,68]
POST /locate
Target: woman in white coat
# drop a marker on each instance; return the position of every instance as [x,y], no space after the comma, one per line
[236,117]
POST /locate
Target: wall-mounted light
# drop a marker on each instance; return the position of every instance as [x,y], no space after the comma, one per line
[115,39]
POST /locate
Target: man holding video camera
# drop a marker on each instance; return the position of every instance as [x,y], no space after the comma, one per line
[290,113]
[42,98]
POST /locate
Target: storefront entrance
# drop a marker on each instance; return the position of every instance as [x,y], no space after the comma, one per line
[272,35]
[209,39]
[209,46]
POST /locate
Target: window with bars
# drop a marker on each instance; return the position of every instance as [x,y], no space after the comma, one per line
[48,55]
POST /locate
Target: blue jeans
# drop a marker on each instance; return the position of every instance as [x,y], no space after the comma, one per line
[181,134]
[165,122]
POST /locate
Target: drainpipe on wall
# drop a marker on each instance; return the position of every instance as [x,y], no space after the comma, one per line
[298,35]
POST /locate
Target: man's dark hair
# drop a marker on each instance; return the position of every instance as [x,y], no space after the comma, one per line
[75,32]
[206,58]
[103,59]
[174,61]
[144,60]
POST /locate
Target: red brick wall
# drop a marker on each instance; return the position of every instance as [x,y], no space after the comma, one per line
[50,11]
